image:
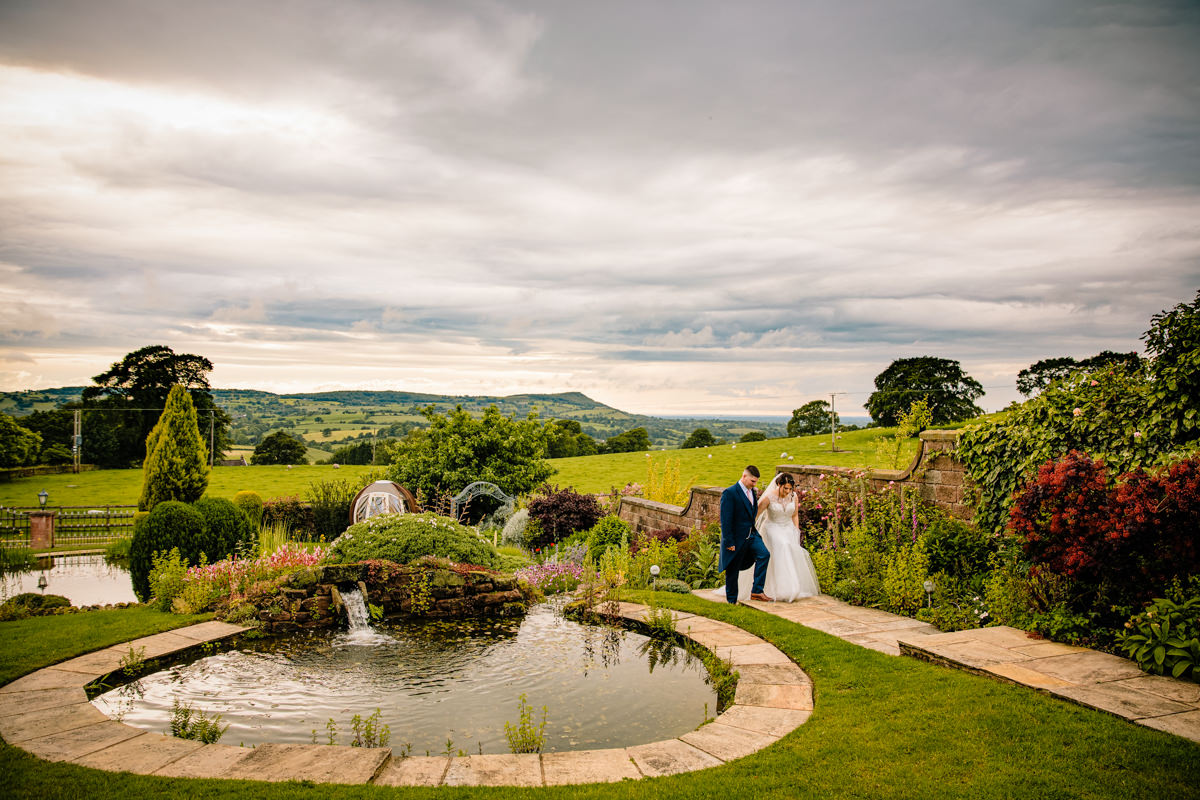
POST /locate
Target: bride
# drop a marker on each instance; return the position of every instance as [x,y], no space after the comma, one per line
[790,573]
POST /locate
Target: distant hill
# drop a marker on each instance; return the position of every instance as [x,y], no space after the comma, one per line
[332,419]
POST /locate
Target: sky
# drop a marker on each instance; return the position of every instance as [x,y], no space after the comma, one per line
[675,207]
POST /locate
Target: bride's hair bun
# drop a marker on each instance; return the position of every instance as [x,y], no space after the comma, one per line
[786,480]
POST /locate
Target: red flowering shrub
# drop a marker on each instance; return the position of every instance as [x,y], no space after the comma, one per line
[559,513]
[1157,526]
[1063,515]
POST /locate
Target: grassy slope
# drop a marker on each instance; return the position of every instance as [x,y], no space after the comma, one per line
[585,474]
[601,473]
[884,727]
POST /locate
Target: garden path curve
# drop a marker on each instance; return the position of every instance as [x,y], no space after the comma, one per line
[47,714]
[1086,677]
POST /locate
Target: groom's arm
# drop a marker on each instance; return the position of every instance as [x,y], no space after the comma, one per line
[726,521]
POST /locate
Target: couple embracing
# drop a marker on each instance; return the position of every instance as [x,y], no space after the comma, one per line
[760,542]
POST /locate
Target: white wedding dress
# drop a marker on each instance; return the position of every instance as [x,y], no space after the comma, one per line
[790,573]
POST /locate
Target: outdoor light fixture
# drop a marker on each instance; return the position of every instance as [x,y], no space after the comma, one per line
[42,495]
[929,592]
[654,570]
[42,582]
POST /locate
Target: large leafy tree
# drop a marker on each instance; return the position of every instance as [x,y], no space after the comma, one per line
[631,441]
[129,397]
[56,428]
[175,467]
[565,438]
[19,446]
[811,418]
[458,449]
[1037,376]
[950,392]
[1173,345]
[281,448]
[701,437]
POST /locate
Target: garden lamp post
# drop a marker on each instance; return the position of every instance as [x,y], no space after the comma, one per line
[929,592]
[42,497]
[654,570]
[42,582]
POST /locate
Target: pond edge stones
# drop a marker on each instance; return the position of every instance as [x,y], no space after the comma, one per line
[47,714]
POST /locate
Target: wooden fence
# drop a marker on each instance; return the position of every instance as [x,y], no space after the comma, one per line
[74,526]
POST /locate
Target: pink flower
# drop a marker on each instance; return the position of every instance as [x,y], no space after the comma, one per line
[1077,412]
[1095,383]
[1137,434]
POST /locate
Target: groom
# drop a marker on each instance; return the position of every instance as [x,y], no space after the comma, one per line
[741,545]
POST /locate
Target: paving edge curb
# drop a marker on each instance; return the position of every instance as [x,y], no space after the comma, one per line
[47,714]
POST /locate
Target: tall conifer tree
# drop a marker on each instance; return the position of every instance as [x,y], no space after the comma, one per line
[175,467]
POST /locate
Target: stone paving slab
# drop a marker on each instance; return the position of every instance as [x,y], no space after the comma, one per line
[413,771]
[158,645]
[1179,691]
[94,664]
[1026,676]
[210,631]
[727,742]
[978,654]
[12,703]
[499,769]
[741,655]
[1186,724]
[48,678]
[723,638]
[140,754]
[36,724]
[313,762]
[1088,667]
[787,673]
[670,757]
[209,761]
[78,742]
[588,766]
[1122,701]
[796,696]
[760,719]
[1047,649]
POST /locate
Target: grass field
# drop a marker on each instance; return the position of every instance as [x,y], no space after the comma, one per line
[711,466]
[884,727]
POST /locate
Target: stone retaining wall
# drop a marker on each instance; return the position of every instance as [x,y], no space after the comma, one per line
[938,476]
[309,599]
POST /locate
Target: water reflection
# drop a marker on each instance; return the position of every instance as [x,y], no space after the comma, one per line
[83,579]
[440,680]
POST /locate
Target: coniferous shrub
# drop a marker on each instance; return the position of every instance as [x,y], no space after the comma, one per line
[610,531]
[175,466]
[251,504]
[559,513]
[225,528]
[171,524]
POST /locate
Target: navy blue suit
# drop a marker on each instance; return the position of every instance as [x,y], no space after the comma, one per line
[737,531]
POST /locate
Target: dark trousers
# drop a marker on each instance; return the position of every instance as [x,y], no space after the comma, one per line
[753,552]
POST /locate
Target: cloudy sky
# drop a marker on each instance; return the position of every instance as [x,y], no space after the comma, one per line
[674,207]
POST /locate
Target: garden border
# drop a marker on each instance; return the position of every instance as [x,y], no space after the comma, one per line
[47,714]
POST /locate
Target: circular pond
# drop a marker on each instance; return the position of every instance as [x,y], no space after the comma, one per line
[439,686]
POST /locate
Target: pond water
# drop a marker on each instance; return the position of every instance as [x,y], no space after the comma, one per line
[438,681]
[85,580]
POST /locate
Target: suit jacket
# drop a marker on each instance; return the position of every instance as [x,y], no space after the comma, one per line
[737,522]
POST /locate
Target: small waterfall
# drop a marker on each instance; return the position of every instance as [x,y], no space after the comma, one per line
[356,610]
[360,631]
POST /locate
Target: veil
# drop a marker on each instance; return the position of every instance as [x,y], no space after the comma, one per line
[771,493]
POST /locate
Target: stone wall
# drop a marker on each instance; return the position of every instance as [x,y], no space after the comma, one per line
[310,599]
[938,476]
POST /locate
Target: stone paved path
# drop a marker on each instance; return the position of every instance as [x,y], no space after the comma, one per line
[47,714]
[1089,678]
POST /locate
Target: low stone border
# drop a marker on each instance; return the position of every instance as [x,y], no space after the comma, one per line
[47,714]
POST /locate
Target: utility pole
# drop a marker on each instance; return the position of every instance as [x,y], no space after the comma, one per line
[77,439]
[212,427]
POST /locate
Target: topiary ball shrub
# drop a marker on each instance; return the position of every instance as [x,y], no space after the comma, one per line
[403,538]
[611,531]
[250,504]
[170,524]
[225,528]
[29,604]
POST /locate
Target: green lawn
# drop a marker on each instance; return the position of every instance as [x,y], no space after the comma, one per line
[585,474]
[884,727]
[122,486]
[602,473]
